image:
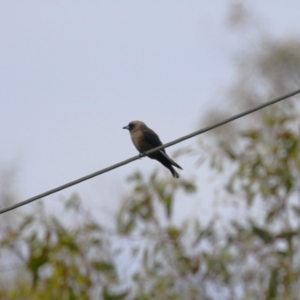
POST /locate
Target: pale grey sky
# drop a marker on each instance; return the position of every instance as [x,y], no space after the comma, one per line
[73,73]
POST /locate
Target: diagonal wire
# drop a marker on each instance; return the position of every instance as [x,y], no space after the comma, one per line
[129,160]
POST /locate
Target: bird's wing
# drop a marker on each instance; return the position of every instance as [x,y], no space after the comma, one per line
[152,138]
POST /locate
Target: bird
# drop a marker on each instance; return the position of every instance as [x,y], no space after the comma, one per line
[145,139]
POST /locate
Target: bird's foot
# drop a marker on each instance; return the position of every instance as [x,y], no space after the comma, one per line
[142,154]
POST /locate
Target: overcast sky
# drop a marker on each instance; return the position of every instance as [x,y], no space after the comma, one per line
[73,73]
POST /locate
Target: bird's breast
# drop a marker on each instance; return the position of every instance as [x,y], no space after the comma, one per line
[140,143]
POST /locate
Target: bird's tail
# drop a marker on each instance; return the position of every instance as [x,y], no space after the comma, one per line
[174,173]
[171,161]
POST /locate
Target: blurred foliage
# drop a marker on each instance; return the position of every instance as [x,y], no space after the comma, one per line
[63,263]
[252,254]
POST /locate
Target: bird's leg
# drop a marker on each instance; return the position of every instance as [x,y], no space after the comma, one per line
[142,154]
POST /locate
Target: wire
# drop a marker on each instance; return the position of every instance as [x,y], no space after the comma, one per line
[127,161]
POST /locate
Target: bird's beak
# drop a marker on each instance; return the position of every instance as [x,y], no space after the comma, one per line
[126,127]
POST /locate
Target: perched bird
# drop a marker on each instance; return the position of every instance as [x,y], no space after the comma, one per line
[145,139]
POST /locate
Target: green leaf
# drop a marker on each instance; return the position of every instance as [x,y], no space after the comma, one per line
[254,134]
[189,187]
[272,289]
[106,295]
[265,235]
[26,222]
[174,233]
[103,266]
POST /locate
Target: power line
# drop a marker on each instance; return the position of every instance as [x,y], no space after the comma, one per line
[124,162]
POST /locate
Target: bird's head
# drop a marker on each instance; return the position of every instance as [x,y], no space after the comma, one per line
[133,125]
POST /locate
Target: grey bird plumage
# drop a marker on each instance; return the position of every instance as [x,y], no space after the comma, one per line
[145,139]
